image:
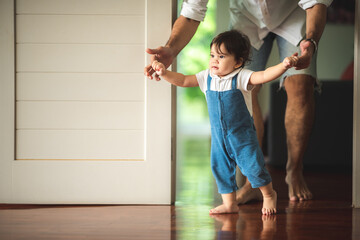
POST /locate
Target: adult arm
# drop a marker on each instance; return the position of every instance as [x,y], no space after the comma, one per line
[315,24]
[183,30]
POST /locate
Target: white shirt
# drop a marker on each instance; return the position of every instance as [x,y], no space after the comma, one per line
[256,18]
[222,84]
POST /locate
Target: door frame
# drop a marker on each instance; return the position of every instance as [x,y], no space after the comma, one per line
[7,92]
[356,121]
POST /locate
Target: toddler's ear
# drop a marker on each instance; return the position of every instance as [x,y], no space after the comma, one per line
[239,63]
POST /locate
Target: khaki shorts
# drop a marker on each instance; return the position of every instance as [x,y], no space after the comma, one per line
[260,57]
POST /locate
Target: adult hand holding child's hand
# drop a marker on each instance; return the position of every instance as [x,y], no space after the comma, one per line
[158,67]
[290,62]
[163,54]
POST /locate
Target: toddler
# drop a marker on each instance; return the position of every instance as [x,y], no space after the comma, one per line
[227,86]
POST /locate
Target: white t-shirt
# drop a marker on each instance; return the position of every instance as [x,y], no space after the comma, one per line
[225,83]
[256,18]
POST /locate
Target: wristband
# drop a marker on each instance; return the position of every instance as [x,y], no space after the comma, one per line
[313,42]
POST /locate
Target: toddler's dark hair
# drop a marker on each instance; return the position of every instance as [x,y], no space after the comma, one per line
[235,42]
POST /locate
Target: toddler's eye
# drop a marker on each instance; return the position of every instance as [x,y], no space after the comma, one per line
[222,56]
[212,55]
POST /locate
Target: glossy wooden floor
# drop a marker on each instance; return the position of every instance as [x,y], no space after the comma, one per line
[328,216]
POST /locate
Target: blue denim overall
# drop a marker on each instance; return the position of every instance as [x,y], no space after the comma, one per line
[233,140]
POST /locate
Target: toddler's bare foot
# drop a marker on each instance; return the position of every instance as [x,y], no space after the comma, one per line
[247,194]
[298,189]
[222,209]
[269,204]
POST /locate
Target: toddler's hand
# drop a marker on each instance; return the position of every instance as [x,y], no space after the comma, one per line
[290,62]
[158,67]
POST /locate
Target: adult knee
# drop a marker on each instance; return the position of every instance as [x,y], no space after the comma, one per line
[299,88]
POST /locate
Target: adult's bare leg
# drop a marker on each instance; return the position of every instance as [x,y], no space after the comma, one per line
[246,193]
[299,119]
[257,115]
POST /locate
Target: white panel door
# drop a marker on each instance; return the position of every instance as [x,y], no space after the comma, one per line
[79,122]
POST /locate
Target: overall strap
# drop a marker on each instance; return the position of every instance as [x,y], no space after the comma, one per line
[208,82]
[234,82]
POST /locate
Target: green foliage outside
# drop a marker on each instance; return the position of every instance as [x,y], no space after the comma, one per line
[195,58]
[195,183]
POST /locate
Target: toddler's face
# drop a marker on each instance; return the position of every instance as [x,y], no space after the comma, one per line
[221,62]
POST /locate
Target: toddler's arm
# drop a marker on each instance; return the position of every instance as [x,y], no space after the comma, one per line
[273,72]
[174,78]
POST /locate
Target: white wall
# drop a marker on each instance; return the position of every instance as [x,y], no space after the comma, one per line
[336,51]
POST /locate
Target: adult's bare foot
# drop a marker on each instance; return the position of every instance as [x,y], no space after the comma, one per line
[298,189]
[247,194]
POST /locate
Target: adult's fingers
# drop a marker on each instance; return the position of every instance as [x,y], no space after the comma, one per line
[153,51]
[148,71]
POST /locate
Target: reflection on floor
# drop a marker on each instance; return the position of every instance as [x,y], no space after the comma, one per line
[328,216]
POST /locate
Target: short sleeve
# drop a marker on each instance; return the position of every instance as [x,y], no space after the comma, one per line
[305,4]
[194,9]
[243,80]
[202,78]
